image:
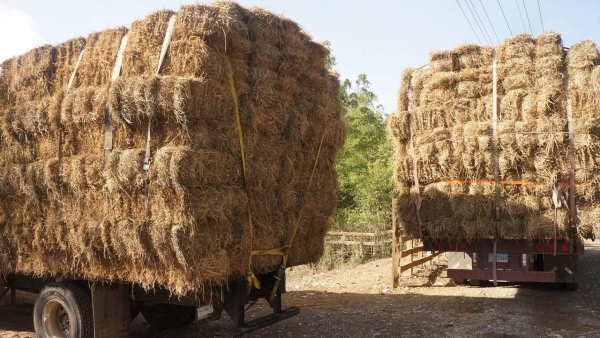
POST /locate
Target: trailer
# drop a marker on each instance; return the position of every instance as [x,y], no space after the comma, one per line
[515,260]
[72,307]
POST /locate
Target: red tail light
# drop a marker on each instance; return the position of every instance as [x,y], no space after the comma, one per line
[564,248]
[440,246]
[538,248]
[450,246]
[462,246]
[551,247]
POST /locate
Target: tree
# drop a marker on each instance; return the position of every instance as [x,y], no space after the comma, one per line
[365,163]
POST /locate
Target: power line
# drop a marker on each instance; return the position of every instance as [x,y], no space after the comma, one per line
[523,22]
[511,33]
[542,20]
[469,22]
[530,30]
[474,18]
[485,29]
[490,21]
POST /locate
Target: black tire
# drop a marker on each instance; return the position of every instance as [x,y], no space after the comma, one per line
[168,316]
[63,310]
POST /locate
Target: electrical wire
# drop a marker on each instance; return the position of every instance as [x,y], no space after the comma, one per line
[474,18]
[542,20]
[478,17]
[469,22]
[511,33]
[521,15]
[490,21]
[530,30]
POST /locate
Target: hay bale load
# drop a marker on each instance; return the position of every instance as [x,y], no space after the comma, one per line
[70,207]
[447,109]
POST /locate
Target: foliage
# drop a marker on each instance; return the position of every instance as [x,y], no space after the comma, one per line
[365,163]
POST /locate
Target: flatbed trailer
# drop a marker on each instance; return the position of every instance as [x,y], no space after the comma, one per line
[516,260]
[72,307]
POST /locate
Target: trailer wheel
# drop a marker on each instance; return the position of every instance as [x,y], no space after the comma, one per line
[168,316]
[63,310]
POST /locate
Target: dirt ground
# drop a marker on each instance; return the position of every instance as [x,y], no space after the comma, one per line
[356,301]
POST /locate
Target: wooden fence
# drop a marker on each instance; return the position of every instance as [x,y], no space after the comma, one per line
[367,243]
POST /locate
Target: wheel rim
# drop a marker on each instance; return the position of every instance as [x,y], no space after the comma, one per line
[55,320]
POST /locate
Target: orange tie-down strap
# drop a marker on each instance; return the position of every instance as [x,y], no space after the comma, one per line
[491,182]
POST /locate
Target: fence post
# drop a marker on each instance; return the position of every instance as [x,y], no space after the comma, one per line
[395,246]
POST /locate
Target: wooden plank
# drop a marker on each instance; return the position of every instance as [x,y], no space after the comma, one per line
[363,234]
[418,262]
[110,305]
[408,252]
[351,243]
[395,246]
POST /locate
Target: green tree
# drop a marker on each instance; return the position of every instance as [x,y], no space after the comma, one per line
[365,163]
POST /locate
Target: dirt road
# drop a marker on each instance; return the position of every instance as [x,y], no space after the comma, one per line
[356,302]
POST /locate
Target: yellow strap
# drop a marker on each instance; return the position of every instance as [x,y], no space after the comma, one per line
[252,280]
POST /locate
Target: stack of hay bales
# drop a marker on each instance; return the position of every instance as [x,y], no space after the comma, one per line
[448,110]
[66,209]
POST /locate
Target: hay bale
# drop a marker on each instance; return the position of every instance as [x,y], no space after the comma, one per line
[583,54]
[454,144]
[183,223]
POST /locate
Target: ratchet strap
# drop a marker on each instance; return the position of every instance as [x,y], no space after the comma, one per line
[252,279]
[60,132]
[108,121]
[163,52]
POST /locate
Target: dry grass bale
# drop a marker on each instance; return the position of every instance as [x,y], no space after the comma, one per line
[67,54]
[28,77]
[548,66]
[405,88]
[442,61]
[183,222]
[97,63]
[199,42]
[145,44]
[518,46]
[548,44]
[474,56]
[583,54]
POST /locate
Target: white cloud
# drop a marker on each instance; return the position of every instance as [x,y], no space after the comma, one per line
[17,32]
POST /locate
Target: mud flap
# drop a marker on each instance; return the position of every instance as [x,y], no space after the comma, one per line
[111,311]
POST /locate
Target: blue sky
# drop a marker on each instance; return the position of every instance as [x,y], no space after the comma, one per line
[377,37]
